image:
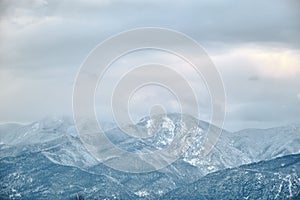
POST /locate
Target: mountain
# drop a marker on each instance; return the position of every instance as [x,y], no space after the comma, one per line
[33,176]
[51,155]
[274,179]
[231,150]
[56,138]
[264,144]
[165,129]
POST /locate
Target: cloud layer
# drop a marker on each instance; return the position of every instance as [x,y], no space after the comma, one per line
[254,44]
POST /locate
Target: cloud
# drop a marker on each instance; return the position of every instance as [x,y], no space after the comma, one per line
[254,44]
[269,96]
[148,96]
[253,78]
[267,61]
[66,32]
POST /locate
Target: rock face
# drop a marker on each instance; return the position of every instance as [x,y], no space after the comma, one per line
[46,159]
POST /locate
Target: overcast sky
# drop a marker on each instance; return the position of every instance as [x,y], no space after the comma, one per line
[254,44]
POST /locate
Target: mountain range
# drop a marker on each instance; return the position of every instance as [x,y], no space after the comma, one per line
[46,159]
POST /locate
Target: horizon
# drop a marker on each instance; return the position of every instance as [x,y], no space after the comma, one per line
[115,125]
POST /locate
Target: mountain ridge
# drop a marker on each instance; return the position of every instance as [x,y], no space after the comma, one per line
[55,142]
[274,179]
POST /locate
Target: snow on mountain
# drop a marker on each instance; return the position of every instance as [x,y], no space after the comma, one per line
[58,140]
[165,128]
[265,144]
[53,144]
[273,179]
[31,175]
[37,132]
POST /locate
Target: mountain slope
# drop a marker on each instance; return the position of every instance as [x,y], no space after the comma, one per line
[264,144]
[33,176]
[166,128]
[274,179]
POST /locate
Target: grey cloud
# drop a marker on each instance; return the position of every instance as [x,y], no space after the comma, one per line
[78,26]
[254,78]
[43,53]
[264,103]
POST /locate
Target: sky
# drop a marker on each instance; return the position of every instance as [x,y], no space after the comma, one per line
[254,44]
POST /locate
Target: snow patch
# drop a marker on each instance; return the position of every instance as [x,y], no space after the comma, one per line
[142,193]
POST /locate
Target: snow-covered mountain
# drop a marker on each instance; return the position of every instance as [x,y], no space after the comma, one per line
[264,144]
[273,179]
[165,128]
[58,140]
[53,144]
